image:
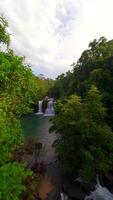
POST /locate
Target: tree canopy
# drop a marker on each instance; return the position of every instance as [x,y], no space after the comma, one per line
[84,114]
[83,134]
[4,35]
[20,89]
[95,66]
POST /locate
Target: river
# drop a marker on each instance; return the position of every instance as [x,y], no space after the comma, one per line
[37,126]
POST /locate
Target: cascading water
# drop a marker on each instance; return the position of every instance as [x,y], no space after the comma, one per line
[63,196]
[50,108]
[40,108]
[100,193]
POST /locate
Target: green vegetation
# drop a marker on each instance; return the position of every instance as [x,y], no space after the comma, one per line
[4,36]
[84,114]
[19,91]
[12,177]
[95,66]
[45,86]
[84,140]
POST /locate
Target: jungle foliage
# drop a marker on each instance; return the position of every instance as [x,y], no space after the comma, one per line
[84,138]
[84,114]
[20,89]
[95,66]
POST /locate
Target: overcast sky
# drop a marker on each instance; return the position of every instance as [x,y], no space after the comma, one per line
[52,34]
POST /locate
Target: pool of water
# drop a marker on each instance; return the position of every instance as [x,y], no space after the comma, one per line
[35,126]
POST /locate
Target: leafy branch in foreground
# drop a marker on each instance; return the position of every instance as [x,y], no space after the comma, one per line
[12,177]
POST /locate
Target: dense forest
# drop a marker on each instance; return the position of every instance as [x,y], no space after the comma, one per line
[84,112]
[20,90]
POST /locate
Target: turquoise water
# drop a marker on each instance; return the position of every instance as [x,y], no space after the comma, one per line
[35,126]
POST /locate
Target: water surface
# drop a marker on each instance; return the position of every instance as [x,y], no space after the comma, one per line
[34,125]
[37,126]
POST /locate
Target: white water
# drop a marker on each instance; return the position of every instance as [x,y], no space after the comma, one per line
[50,109]
[100,193]
[63,196]
[40,108]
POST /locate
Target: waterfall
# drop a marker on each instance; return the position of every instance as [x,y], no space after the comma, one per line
[100,193]
[50,108]
[40,108]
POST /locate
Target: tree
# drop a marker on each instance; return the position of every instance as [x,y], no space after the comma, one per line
[83,134]
[12,178]
[95,66]
[19,90]
[4,35]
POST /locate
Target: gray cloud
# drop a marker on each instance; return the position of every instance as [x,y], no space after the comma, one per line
[52,34]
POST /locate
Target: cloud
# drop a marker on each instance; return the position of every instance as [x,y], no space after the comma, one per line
[52,34]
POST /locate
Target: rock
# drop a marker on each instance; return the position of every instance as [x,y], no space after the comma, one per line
[38,145]
[108,181]
[75,190]
[54,194]
[38,168]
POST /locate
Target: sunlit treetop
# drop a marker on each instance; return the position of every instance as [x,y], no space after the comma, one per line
[4,35]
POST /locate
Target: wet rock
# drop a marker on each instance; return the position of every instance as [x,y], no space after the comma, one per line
[27,196]
[46,188]
[29,146]
[75,190]
[38,168]
[108,181]
[38,145]
[54,194]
